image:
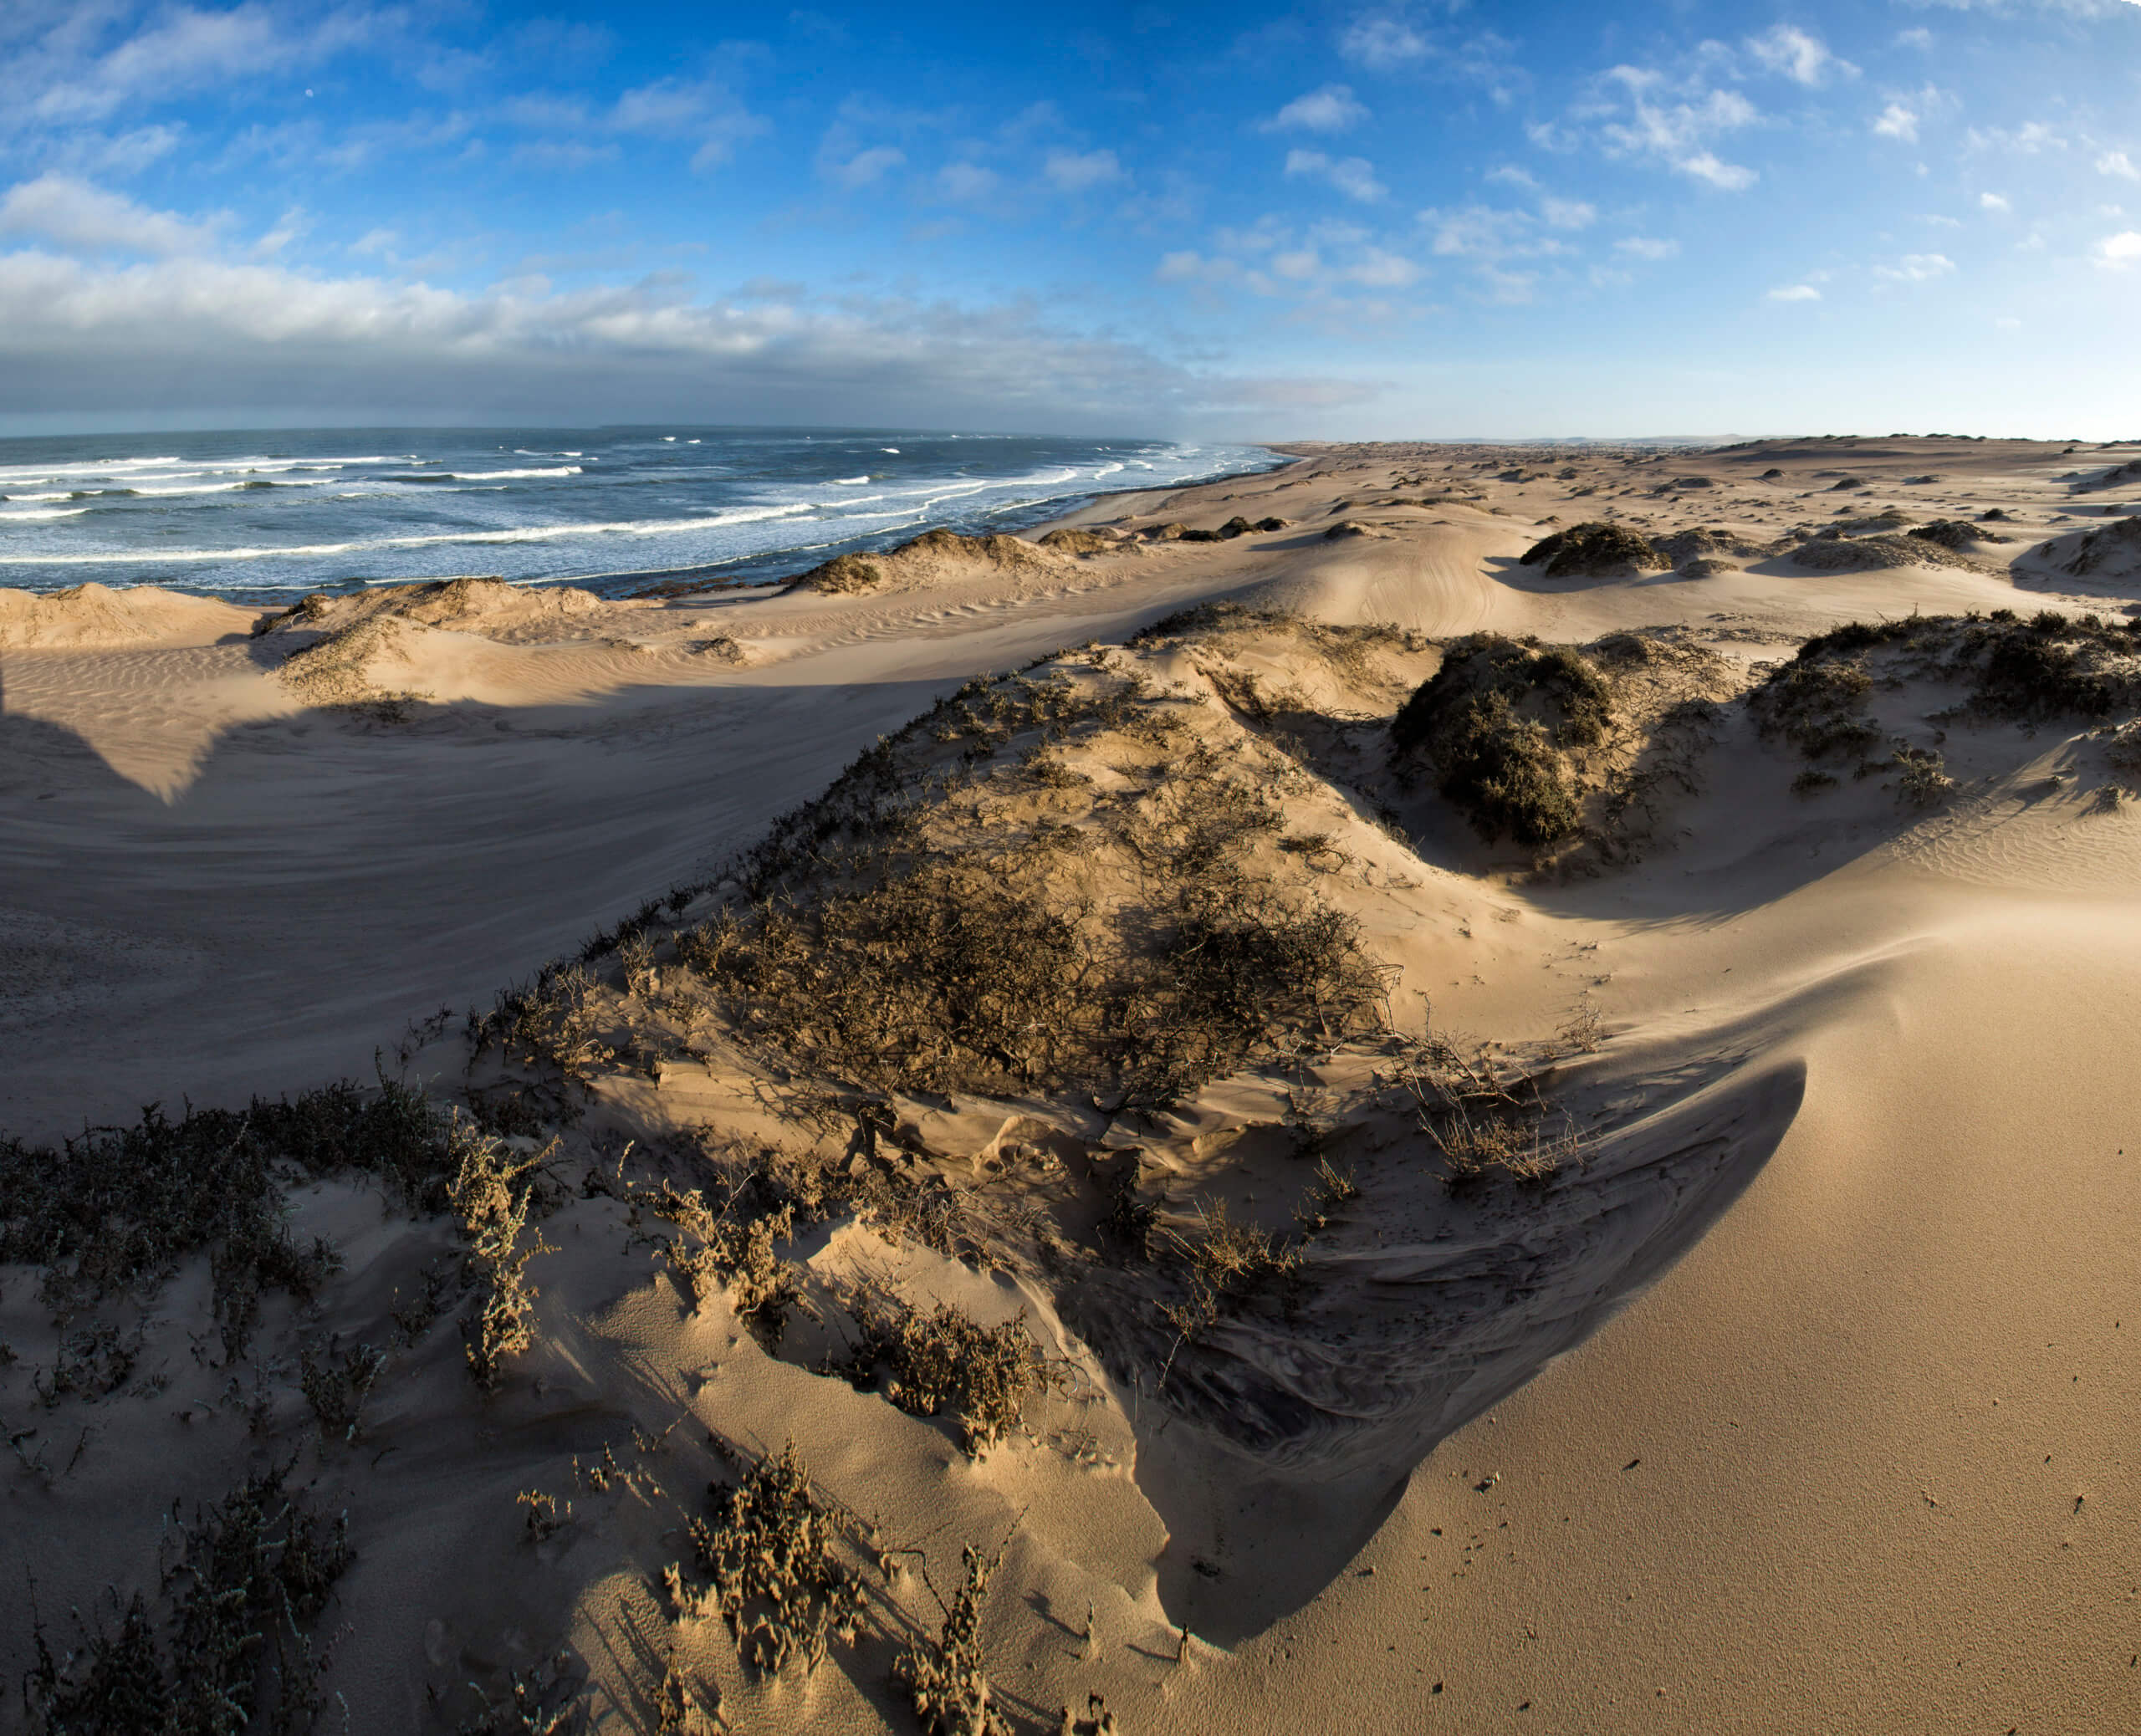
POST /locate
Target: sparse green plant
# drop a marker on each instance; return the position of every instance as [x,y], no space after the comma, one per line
[1812,782]
[1924,783]
[336,1387]
[115,1209]
[946,1678]
[228,1643]
[545,1701]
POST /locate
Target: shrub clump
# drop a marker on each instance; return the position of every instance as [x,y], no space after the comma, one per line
[944,1359]
[769,1550]
[1495,723]
[231,1642]
[115,1208]
[946,1678]
[493,1195]
[843,573]
[1593,547]
[721,1251]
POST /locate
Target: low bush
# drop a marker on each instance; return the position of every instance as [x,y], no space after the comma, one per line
[770,1550]
[946,1678]
[115,1208]
[945,1360]
[1595,546]
[1495,724]
[226,1647]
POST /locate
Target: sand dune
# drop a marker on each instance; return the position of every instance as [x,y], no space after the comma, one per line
[1664,1269]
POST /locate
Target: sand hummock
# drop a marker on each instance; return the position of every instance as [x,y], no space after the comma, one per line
[1378,1135]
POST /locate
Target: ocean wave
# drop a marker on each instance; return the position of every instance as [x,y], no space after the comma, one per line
[42,513]
[850,482]
[525,533]
[492,476]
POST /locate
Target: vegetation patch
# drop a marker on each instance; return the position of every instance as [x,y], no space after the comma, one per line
[114,1209]
[945,1360]
[952,915]
[227,1645]
[1598,547]
[770,1549]
[1495,724]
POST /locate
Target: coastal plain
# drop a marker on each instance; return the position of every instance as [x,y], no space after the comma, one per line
[1667,1273]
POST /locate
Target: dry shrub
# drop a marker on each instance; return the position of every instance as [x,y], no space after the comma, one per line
[1495,723]
[1229,1265]
[946,1678]
[555,1022]
[732,1253]
[1925,782]
[945,1360]
[227,1647]
[1595,546]
[493,1193]
[336,1387]
[770,1550]
[908,930]
[115,1209]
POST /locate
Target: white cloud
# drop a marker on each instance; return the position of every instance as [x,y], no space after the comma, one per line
[1992,201]
[1919,38]
[2027,140]
[188,332]
[865,168]
[1644,246]
[1509,175]
[1675,132]
[1568,213]
[1330,109]
[1805,60]
[1382,42]
[1916,269]
[966,181]
[2116,252]
[1376,269]
[1707,166]
[1794,292]
[1076,173]
[1352,176]
[79,215]
[1897,120]
[2116,162]
[189,48]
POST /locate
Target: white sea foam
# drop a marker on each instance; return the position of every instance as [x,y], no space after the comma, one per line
[526,534]
[850,482]
[492,476]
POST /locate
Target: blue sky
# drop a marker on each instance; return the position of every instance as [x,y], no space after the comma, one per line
[1251,221]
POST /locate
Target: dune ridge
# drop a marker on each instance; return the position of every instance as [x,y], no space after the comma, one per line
[1392,1133]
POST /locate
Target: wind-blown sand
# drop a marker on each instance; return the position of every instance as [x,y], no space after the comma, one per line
[1797,1401]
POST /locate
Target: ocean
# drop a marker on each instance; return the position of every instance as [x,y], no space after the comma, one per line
[266,515]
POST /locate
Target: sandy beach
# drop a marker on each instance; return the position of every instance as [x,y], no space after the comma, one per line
[1445,1260]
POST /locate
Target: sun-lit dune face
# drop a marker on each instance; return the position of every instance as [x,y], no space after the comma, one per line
[1364,1083]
